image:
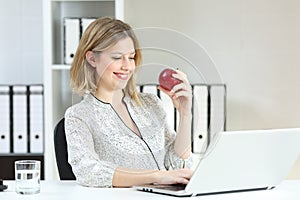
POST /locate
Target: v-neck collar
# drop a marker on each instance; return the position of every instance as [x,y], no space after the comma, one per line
[127,101]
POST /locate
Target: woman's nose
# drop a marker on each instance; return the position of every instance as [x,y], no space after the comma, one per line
[124,68]
[125,64]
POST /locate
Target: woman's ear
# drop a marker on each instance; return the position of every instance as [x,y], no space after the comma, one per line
[91,59]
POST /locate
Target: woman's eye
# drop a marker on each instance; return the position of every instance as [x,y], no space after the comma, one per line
[131,58]
[116,58]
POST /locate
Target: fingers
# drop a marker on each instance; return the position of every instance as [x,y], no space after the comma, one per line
[174,176]
[186,89]
[182,181]
[181,76]
[184,175]
[164,90]
[181,92]
[185,85]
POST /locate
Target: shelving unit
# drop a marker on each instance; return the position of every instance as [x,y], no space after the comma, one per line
[58,95]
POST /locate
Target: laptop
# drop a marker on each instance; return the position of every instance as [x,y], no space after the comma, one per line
[239,161]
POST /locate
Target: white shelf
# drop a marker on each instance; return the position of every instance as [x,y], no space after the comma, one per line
[57,94]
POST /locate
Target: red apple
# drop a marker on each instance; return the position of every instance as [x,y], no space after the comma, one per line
[166,80]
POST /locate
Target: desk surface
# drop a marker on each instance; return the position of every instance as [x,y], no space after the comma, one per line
[63,190]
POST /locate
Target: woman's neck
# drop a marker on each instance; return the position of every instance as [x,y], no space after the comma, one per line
[112,97]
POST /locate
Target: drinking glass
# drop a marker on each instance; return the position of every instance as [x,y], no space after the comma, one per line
[27,175]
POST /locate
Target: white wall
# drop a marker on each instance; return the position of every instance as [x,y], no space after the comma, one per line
[255,45]
[21,42]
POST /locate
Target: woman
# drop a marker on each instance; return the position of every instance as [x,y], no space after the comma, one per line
[116,136]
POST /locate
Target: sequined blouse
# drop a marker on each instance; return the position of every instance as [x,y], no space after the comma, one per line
[99,141]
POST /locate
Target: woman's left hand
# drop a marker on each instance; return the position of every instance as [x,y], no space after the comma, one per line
[181,94]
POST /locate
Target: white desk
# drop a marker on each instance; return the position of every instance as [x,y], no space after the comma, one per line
[70,190]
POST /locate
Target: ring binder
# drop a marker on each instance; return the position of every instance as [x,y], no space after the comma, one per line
[20,137]
[85,22]
[4,119]
[217,116]
[169,109]
[200,118]
[71,38]
[36,122]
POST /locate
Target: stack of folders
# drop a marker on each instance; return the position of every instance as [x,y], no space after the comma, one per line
[21,119]
[209,112]
[73,30]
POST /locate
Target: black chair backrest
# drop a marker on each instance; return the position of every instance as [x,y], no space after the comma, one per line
[61,152]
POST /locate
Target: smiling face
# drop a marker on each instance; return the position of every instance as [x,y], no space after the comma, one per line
[114,66]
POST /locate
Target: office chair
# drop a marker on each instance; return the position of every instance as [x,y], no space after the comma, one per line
[61,152]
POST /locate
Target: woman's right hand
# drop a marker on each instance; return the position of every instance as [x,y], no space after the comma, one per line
[178,176]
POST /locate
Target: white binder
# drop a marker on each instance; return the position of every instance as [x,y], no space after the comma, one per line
[150,89]
[138,88]
[169,108]
[71,37]
[200,118]
[85,22]
[36,119]
[217,110]
[20,119]
[167,103]
[4,119]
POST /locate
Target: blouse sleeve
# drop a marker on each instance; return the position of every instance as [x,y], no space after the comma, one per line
[86,165]
[171,160]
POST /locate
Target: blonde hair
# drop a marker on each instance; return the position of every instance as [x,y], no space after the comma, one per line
[100,35]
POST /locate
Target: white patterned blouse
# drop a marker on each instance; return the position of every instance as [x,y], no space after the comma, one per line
[99,141]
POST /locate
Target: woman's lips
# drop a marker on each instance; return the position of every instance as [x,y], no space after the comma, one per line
[122,76]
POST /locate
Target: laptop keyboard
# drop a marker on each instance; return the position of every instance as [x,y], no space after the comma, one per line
[175,187]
